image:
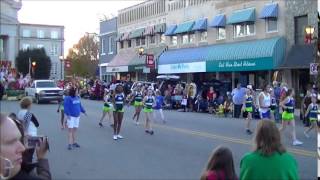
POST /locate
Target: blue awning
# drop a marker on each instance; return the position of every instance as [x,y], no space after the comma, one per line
[218,21]
[245,15]
[200,25]
[184,27]
[269,11]
[170,30]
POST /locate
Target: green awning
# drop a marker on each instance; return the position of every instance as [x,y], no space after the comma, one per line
[184,27]
[244,15]
[160,28]
[254,55]
[138,62]
[136,33]
[119,37]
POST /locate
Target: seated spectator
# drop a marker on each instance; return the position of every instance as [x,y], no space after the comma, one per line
[269,160]
[12,148]
[227,106]
[220,166]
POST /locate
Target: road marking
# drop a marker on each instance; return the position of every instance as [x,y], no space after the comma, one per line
[232,140]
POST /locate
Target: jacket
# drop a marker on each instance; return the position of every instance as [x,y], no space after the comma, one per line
[72,106]
[42,169]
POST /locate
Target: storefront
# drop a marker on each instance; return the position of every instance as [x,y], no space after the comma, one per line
[250,62]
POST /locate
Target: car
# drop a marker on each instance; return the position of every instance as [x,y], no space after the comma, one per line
[44,90]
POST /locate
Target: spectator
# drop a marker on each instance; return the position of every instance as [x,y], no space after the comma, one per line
[1,90]
[269,160]
[277,94]
[227,106]
[237,98]
[192,91]
[28,119]
[211,97]
[306,101]
[220,166]
[265,103]
[12,149]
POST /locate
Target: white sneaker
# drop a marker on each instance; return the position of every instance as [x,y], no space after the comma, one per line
[119,136]
[137,123]
[115,137]
[306,134]
[297,142]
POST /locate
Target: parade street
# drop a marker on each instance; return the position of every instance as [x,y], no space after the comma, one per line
[179,149]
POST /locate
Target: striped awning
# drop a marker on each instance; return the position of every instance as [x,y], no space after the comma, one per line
[136,33]
[245,15]
[170,30]
[200,25]
[184,27]
[160,28]
[218,21]
[269,11]
[119,37]
[149,30]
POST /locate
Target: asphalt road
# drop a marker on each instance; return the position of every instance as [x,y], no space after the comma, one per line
[179,149]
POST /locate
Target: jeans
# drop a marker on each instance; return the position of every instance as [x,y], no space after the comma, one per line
[237,110]
[277,114]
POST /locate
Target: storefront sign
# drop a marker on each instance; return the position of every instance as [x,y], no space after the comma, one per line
[182,68]
[240,65]
[150,61]
[118,69]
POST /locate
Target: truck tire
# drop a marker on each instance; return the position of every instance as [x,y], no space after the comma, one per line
[37,99]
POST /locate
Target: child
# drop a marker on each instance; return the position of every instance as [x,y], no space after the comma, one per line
[158,106]
[247,109]
[148,102]
[184,102]
[227,107]
[312,113]
[220,166]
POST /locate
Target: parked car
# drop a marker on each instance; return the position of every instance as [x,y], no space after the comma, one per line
[44,90]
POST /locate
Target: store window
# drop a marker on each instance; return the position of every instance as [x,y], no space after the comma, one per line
[138,42]
[103,45]
[192,38]
[54,34]
[244,29]
[39,46]
[26,33]
[143,41]
[203,36]
[152,39]
[272,25]
[173,40]
[40,34]
[300,23]
[221,33]
[121,45]
[110,49]
[185,39]
[129,43]
[25,46]
[162,38]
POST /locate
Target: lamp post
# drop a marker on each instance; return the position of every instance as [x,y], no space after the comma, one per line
[61,63]
[149,60]
[310,38]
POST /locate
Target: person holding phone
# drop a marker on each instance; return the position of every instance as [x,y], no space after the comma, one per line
[72,109]
[118,104]
[12,152]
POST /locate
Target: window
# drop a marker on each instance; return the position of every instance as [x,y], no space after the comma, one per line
[121,45]
[272,25]
[203,36]
[25,46]
[162,38]
[300,23]
[152,39]
[54,34]
[129,43]
[221,33]
[54,49]
[26,33]
[40,34]
[185,39]
[138,42]
[39,46]
[110,50]
[103,45]
[143,41]
[244,29]
[192,38]
[173,40]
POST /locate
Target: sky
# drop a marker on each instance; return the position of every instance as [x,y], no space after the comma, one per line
[77,16]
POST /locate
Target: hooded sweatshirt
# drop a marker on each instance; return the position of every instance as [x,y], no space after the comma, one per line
[72,106]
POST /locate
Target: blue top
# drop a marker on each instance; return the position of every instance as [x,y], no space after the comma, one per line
[72,106]
[290,106]
[238,95]
[313,112]
[159,102]
[249,102]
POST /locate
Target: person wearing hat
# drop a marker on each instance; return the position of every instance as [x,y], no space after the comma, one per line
[107,108]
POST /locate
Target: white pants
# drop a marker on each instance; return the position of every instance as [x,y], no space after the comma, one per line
[158,111]
[73,122]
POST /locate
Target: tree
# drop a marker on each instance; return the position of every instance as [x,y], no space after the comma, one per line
[84,56]
[39,56]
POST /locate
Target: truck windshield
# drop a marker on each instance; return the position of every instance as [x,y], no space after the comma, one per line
[46,84]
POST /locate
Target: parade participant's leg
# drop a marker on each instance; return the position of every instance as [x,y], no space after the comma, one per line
[111,119]
[146,125]
[115,117]
[101,120]
[138,114]
[120,118]
[162,116]
[248,120]
[150,123]
[70,125]
[294,137]
[308,129]
[75,127]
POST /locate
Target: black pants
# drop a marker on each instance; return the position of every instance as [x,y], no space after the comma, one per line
[237,110]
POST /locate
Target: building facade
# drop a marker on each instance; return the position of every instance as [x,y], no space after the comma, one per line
[9,30]
[107,47]
[139,26]
[49,37]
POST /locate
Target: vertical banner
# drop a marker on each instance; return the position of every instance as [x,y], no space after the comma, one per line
[150,61]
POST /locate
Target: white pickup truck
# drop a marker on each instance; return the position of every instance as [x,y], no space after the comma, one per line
[44,90]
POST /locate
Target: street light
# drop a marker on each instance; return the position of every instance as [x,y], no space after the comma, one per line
[61,63]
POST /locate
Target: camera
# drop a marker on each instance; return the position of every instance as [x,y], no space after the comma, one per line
[33,141]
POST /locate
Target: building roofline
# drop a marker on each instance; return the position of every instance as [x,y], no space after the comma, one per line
[45,25]
[133,6]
